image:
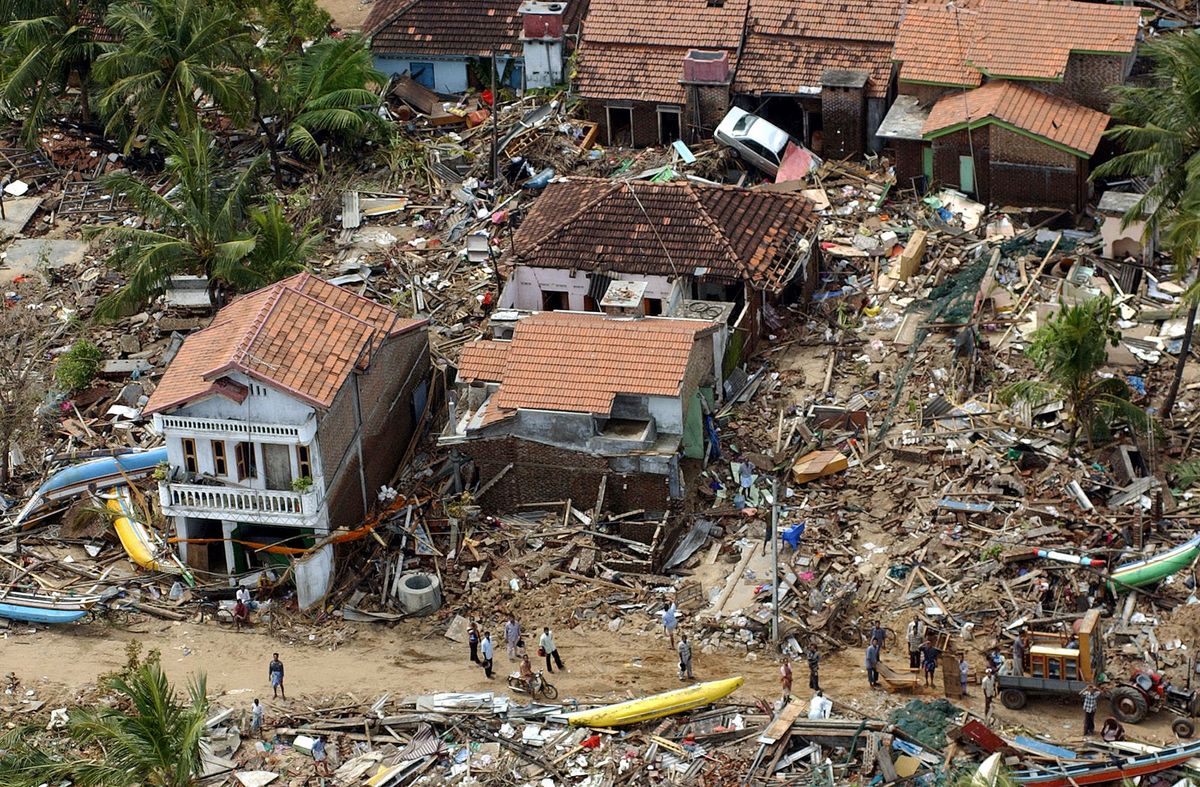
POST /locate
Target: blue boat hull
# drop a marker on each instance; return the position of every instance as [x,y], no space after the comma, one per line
[39,615]
[103,473]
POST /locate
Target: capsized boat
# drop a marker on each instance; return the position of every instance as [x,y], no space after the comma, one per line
[1112,769]
[45,607]
[143,547]
[1155,567]
[677,701]
[96,474]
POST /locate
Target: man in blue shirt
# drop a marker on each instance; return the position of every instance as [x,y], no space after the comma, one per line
[488,652]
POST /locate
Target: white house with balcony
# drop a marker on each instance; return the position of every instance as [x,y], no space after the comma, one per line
[283,417]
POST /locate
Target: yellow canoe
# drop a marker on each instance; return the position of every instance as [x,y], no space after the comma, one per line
[657,705]
[133,534]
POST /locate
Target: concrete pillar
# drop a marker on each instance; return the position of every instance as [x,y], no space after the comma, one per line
[227,529]
[182,532]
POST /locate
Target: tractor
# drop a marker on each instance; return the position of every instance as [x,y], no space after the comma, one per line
[1148,693]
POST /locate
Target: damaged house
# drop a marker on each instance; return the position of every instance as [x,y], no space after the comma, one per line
[1005,99]
[712,252]
[573,402]
[447,45]
[284,417]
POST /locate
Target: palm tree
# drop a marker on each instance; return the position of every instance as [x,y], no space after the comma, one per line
[304,98]
[199,227]
[150,738]
[1160,133]
[1069,350]
[279,249]
[45,46]
[172,56]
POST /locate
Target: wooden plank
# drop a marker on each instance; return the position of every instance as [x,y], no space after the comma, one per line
[780,725]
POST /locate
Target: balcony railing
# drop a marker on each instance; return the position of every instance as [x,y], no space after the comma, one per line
[248,505]
[252,430]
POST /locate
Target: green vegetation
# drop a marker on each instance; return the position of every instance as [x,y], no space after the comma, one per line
[148,735]
[1158,131]
[1069,350]
[78,366]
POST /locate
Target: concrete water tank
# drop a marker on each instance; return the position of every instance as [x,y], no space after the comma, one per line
[420,593]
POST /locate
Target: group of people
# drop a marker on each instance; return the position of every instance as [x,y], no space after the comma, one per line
[483,651]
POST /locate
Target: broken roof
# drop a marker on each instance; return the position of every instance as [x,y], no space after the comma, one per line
[953,44]
[576,362]
[634,51]
[1022,109]
[792,43]
[452,28]
[675,228]
[301,335]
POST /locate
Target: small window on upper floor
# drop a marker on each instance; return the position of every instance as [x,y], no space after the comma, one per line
[189,455]
[220,461]
[304,457]
[247,464]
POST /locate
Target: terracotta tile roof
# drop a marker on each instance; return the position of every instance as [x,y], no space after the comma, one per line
[674,228]
[1037,114]
[483,361]
[451,28]
[945,63]
[784,64]
[633,72]
[1020,39]
[302,335]
[634,51]
[580,362]
[846,20]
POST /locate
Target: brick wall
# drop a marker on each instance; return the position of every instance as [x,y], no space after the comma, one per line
[926,94]
[1028,184]
[544,473]
[946,153]
[908,158]
[712,102]
[1017,148]
[645,122]
[385,393]
[843,119]
[1088,79]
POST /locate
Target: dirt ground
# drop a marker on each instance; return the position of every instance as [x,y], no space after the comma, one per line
[348,14]
[415,659]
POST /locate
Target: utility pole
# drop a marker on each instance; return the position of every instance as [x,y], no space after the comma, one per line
[495,122]
[774,560]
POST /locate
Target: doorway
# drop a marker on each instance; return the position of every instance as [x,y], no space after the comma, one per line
[668,125]
[278,461]
[620,126]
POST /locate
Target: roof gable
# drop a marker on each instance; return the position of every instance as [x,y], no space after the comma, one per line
[1050,119]
[301,335]
[448,28]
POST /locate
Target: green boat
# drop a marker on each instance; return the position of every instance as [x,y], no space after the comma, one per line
[1154,568]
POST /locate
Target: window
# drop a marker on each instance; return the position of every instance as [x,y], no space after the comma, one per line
[652,307]
[220,462]
[305,461]
[761,151]
[189,455]
[668,125]
[554,300]
[247,466]
[422,74]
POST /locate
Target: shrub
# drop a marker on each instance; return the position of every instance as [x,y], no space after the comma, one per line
[78,366]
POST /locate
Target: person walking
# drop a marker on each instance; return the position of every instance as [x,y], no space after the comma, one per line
[512,635]
[256,719]
[547,648]
[914,636]
[785,678]
[488,653]
[473,641]
[963,673]
[871,662]
[670,622]
[929,660]
[814,666]
[685,658]
[275,675]
[1018,652]
[1090,694]
[989,694]
[879,634]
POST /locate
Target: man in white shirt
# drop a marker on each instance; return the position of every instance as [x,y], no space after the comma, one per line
[819,707]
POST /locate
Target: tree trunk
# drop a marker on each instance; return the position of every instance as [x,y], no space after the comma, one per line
[85,104]
[5,447]
[1185,349]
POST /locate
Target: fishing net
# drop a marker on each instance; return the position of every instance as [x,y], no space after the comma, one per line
[926,722]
